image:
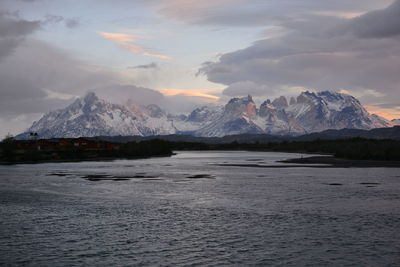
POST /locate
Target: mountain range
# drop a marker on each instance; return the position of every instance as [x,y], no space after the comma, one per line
[308,113]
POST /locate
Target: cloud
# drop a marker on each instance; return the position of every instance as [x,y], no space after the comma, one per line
[172,100]
[119,93]
[151,65]
[393,112]
[315,54]
[181,103]
[242,13]
[13,31]
[246,87]
[125,40]
[383,23]
[53,19]
[36,72]
[56,19]
[72,23]
[39,77]
[119,37]
[15,125]
[208,94]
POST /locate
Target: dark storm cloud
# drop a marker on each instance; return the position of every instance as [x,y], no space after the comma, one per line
[377,24]
[317,53]
[12,26]
[13,31]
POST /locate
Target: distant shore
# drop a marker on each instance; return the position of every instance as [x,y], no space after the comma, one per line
[355,152]
[334,162]
[321,162]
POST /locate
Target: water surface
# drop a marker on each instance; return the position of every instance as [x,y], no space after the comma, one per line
[187,210]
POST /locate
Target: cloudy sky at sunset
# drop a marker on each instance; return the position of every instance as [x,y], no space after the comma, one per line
[184,53]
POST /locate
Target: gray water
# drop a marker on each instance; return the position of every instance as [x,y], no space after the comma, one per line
[234,216]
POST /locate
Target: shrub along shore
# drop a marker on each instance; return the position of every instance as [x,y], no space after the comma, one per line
[79,149]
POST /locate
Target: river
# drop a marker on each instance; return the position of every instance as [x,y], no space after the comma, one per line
[190,210]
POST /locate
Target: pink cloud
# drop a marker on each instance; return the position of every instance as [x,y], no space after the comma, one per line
[126,41]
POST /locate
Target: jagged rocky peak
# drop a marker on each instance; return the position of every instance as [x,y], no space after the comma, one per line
[241,106]
[323,97]
[136,109]
[339,101]
[280,102]
[90,102]
[91,116]
[87,100]
[241,100]
[306,98]
[332,96]
[265,108]
[201,114]
[311,112]
[155,111]
[90,98]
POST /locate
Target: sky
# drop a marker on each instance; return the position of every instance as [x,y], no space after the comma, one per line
[180,54]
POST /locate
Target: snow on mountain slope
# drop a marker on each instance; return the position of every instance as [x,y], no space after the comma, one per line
[197,119]
[396,121]
[237,118]
[91,116]
[309,112]
[320,111]
[276,120]
[155,119]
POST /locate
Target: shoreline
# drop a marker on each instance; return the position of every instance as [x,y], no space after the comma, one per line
[104,159]
[327,161]
[334,162]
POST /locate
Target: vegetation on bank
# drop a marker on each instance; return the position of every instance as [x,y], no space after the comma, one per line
[353,148]
[12,151]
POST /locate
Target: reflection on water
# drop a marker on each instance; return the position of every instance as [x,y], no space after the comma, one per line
[188,210]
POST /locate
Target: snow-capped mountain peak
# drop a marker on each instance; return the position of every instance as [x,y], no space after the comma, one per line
[309,112]
[244,106]
[280,102]
[91,116]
